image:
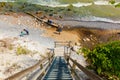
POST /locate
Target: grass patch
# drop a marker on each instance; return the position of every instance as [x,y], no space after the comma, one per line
[104,59]
[22,50]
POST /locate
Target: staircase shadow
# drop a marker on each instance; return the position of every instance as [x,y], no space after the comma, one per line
[58,70]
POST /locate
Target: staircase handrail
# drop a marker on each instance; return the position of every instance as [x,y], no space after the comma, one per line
[90,74]
[23,73]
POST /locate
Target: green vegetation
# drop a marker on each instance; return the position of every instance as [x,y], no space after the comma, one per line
[92,10]
[117,5]
[112,1]
[22,50]
[105,59]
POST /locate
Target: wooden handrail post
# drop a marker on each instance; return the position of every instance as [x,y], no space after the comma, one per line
[43,72]
[55,44]
[53,52]
[70,52]
[41,66]
[67,59]
[73,67]
[67,50]
[64,50]
[69,44]
[49,58]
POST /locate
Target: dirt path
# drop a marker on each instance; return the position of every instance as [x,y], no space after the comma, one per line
[64,36]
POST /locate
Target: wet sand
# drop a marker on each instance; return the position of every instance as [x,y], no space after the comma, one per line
[89,24]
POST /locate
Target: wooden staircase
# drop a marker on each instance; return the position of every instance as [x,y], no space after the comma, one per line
[58,70]
[55,67]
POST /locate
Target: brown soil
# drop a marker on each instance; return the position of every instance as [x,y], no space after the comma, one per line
[85,36]
[63,36]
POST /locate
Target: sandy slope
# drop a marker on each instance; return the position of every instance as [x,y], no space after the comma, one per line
[10,28]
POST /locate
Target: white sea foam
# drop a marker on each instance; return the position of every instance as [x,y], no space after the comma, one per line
[79,4]
[53,3]
[94,18]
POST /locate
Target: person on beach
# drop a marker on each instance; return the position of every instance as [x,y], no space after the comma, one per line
[24,32]
[59,29]
[49,21]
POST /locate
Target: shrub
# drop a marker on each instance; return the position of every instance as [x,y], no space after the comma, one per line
[117,5]
[50,14]
[112,1]
[22,50]
[105,58]
[70,7]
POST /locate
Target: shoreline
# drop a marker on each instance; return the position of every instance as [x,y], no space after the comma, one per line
[89,24]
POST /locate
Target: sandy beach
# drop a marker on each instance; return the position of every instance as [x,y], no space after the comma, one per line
[10,28]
